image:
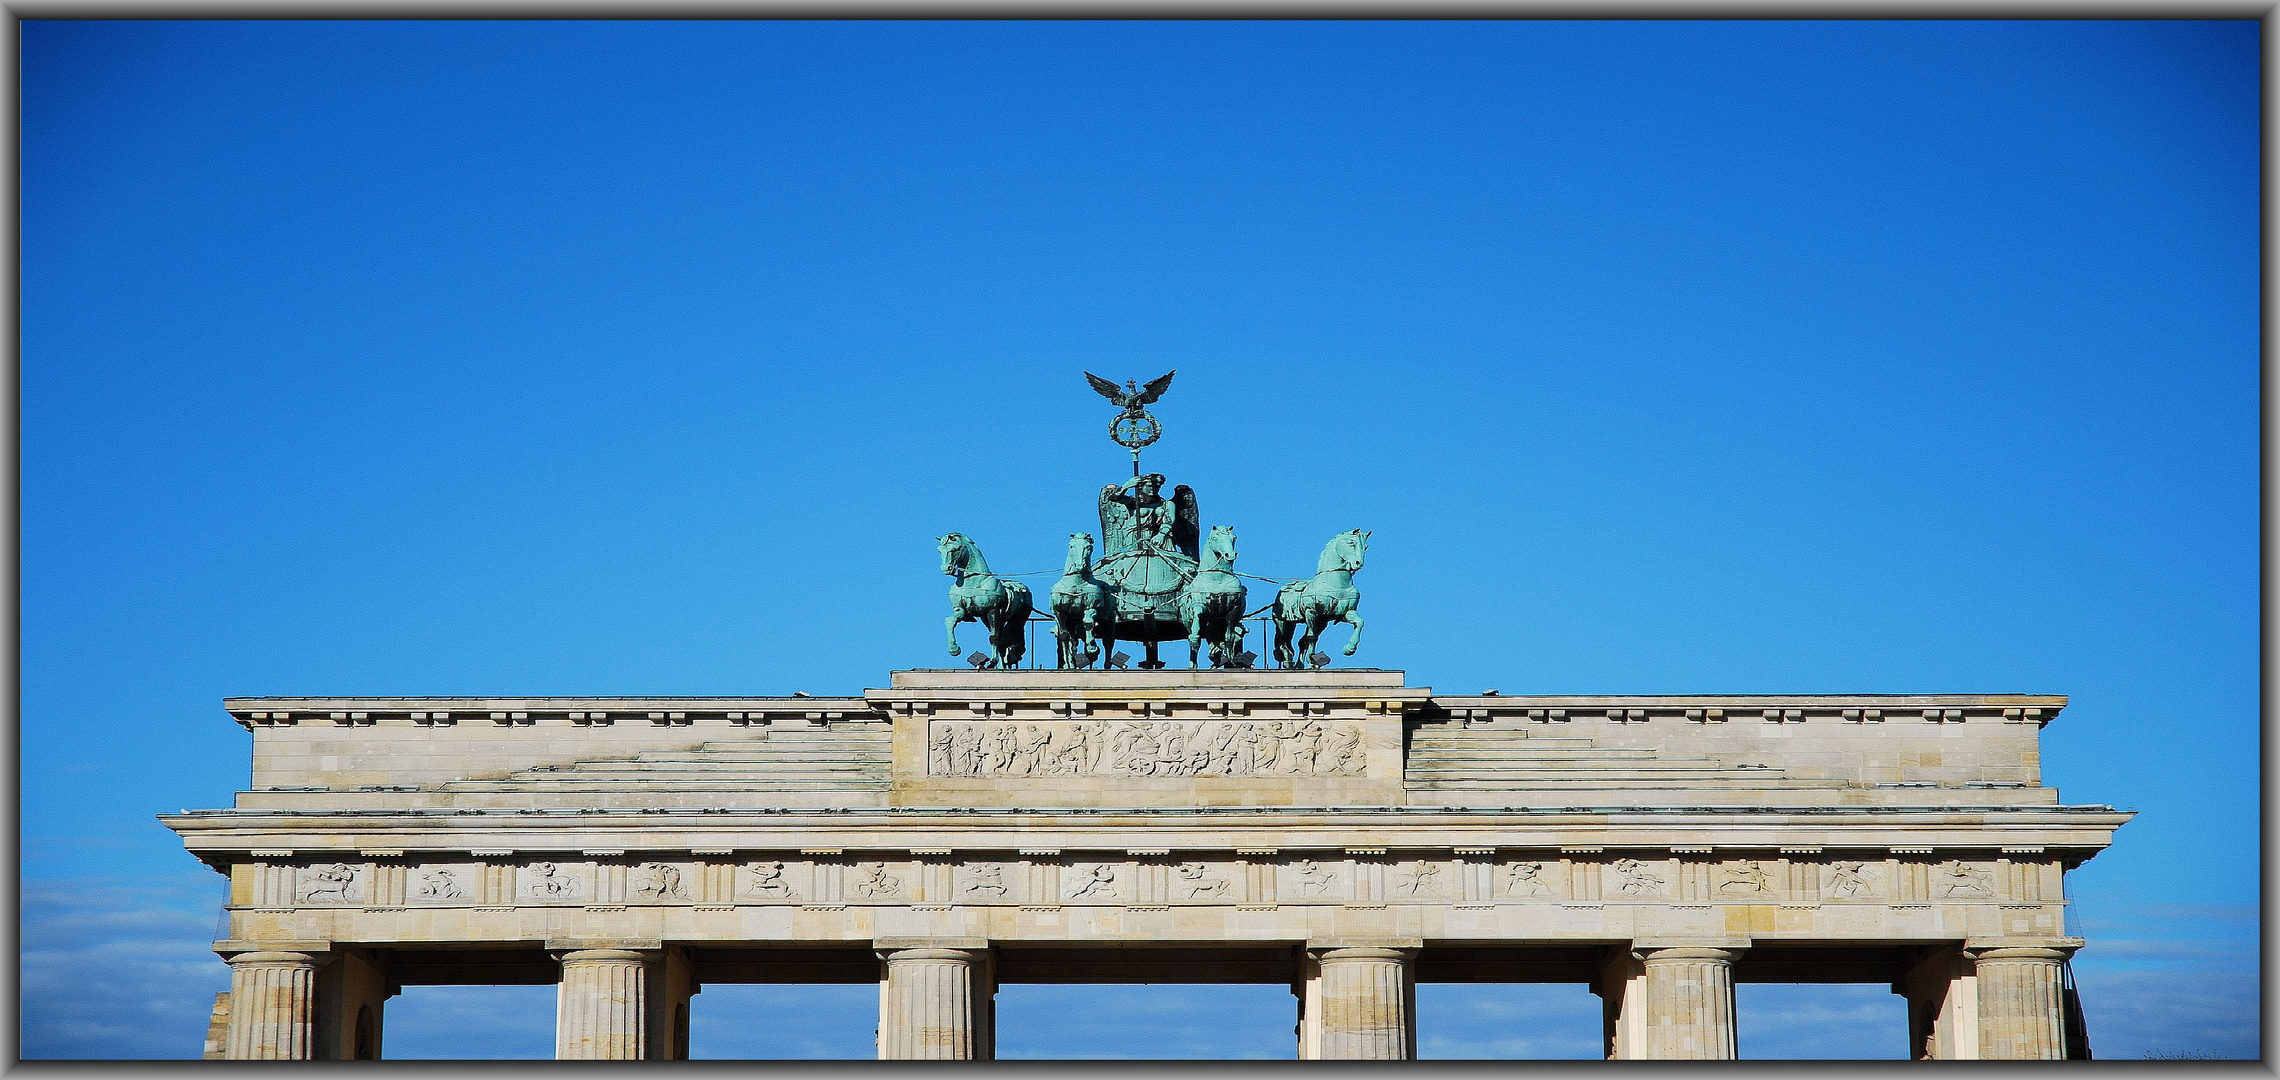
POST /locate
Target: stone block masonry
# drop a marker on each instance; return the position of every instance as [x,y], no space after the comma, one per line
[1336,831]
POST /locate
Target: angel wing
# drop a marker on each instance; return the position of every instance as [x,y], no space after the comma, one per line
[1109,390]
[1187,519]
[1154,389]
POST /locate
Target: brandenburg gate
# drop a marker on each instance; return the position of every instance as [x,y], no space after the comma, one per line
[1334,830]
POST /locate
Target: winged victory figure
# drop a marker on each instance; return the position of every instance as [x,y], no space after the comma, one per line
[1129,397]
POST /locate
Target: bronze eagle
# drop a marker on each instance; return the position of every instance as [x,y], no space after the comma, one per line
[1129,397]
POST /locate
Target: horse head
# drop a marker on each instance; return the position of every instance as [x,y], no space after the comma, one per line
[1344,551]
[1219,548]
[959,556]
[1080,554]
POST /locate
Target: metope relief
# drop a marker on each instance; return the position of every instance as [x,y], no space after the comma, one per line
[1422,880]
[656,883]
[1310,879]
[454,884]
[552,882]
[1141,748]
[876,881]
[1849,880]
[1526,881]
[765,880]
[1635,878]
[1198,881]
[1094,881]
[983,882]
[1745,879]
[329,883]
[1955,879]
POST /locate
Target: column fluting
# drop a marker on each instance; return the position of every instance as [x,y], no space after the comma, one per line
[2021,1004]
[1690,1003]
[600,1007]
[1365,1004]
[273,1006]
[928,1007]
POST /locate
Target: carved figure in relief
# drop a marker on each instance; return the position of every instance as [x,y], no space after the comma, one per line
[1423,879]
[1099,881]
[875,881]
[1005,742]
[1223,748]
[1848,879]
[1746,879]
[1135,748]
[552,882]
[1034,741]
[1637,879]
[941,758]
[658,881]
[439,884]
[768,882]
[1342,752]
[1075,754]
[1526,879]
[1956,879]
[1266,748]
[1194,876]
[969,750]
[1302,742]
[1313,878]
[988,880]
[331,882]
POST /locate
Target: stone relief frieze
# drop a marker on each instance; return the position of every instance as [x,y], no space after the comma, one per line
[985,881]
[1637,879]
[1849,880]
[330,883]
[550,881]
[1133,748]
[1744,879]
[1421,880]
[1525,880]
[1311,880]
[657,882]
[1954,879]
[437,884]
[874,882]
[1094,881]
[1198,881]
[764,880]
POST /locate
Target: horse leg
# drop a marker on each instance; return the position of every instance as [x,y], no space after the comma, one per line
[950,625]
[1282,642]
[1354,619]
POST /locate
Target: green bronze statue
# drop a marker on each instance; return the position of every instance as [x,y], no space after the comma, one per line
[1084,616]
[976,595]
[1158,578]
[1328,597]
[1212,605]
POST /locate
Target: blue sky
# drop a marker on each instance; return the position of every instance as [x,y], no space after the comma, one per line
[605,358]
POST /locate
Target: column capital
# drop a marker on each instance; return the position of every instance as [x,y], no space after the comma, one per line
[604,956]
[1652,952]
[1353,953]
[941,955]
[2059,948]
[278,958]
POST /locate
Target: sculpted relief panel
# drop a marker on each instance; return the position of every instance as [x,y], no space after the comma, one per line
[1120,879]
[1295,747]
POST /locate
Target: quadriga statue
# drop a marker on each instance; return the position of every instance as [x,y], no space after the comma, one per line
[1328,597]
[1084,615]
[976,595]
[1211,605]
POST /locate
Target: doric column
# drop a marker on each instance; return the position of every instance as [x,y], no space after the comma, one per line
[1690,1003]
[601,1006]
[2021,1006]
[934,1004]
[1943,1007]
[1366,998]
[273,1006]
